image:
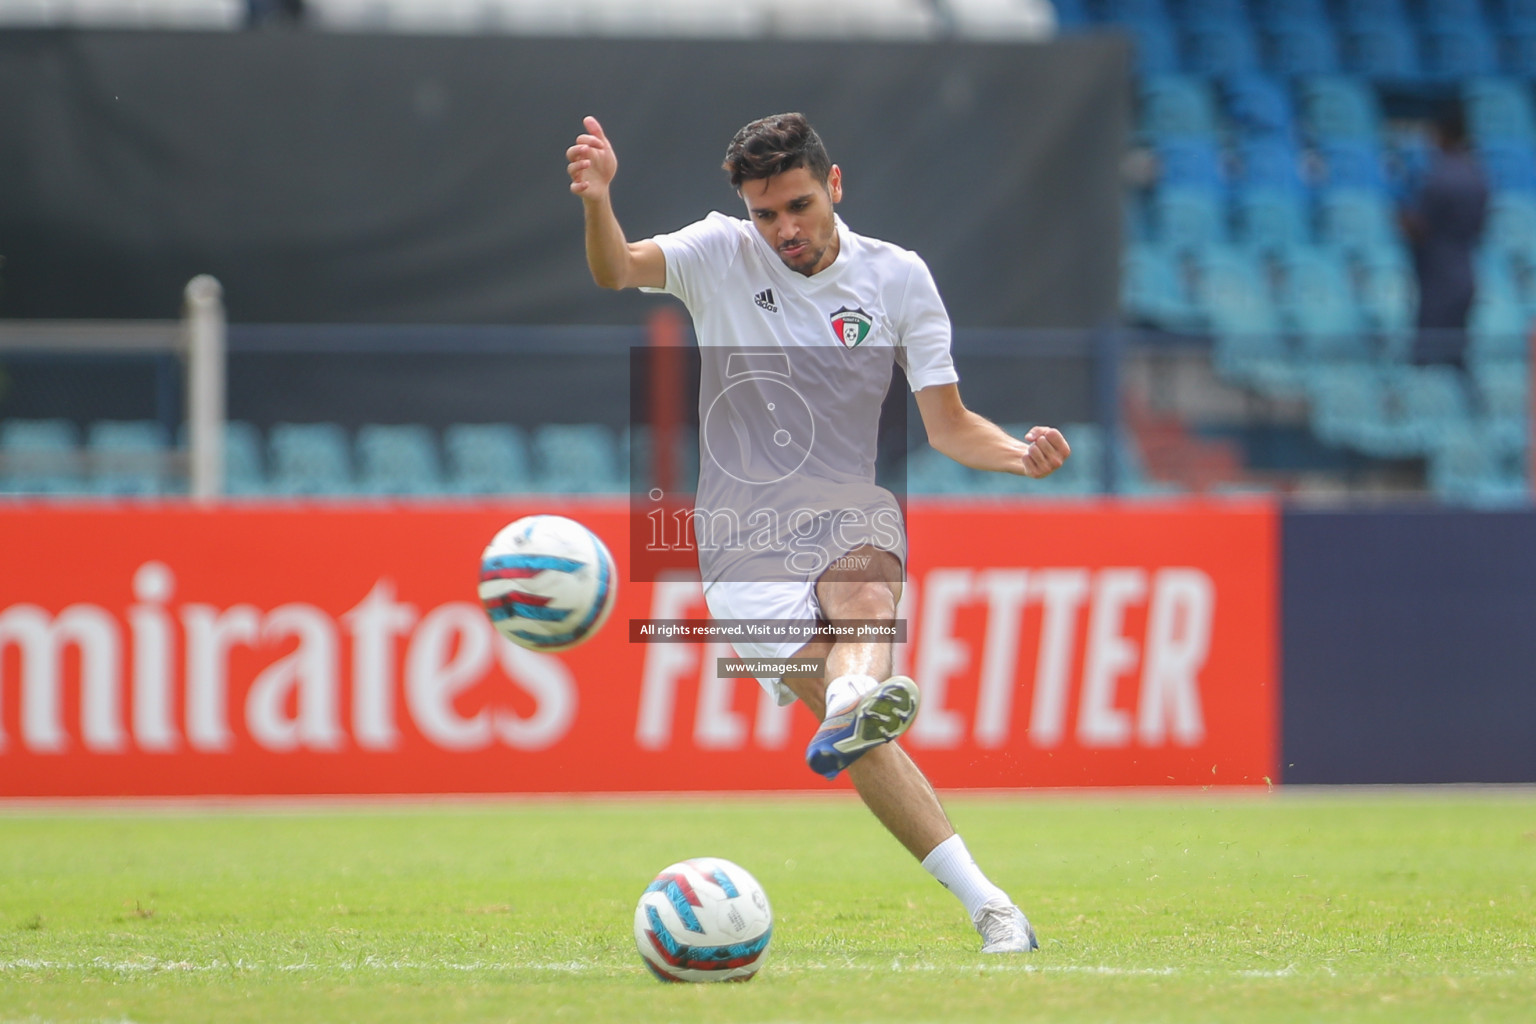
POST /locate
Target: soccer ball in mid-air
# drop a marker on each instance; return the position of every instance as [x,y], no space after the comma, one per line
[704,919]
[547,582]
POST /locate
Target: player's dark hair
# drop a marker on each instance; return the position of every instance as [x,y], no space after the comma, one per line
[773,145]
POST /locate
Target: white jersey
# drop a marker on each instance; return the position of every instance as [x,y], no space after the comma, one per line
[874,294]
[793,373]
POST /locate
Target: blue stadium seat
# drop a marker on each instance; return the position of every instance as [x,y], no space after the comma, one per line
[245,473]
[1261,360]
[638,455]
[1271,162]
[1271,218]
[1511,224]
[1213,10]
[1177,105]
[1135,10]
[1382,50]
[1345,399]
[1317,303]
[40,457]
[1154,289]
[1221,48]
[1466,467]
[244,468]
[1388,295]
[309,459]
[1377,10]
[1294,49]
[932,472]
[1354,164]
[1496,276]
[1509,164]
[577,458]
[1190,163]
[1519,47]
[1498,328]
[1260,105]
[1231,289]
[1184,218]
[1353,219]
[398,459]
[1452,10]
[1335,107]
[1495,270]
[1458,50]
[1279,12]
[128,458]
[487,458]
[1352,408]
[1504,394]
[1518,272]
[1433,400]
[1499,108]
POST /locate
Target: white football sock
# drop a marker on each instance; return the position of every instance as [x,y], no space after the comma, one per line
[951,863]
[844,690]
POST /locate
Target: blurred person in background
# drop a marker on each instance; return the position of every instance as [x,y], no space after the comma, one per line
[1443,221]
[794,279]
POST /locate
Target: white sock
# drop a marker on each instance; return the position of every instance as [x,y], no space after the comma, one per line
[844,690]
[951,863]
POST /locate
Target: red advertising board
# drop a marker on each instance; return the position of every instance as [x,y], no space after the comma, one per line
[296,649]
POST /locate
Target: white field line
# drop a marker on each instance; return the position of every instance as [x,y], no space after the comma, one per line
[150,965]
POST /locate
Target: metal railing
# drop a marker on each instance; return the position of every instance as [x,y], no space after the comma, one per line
[198,340]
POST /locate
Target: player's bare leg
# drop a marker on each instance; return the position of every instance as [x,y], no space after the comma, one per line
[891,785]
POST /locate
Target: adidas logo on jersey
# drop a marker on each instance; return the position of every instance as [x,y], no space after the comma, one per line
[764,298]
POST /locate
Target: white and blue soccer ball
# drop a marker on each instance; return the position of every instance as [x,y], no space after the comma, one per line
[704,919]
[547,582]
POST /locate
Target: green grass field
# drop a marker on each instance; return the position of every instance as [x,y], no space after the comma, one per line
[1390,906]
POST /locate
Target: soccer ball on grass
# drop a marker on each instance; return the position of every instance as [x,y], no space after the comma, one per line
[704,919]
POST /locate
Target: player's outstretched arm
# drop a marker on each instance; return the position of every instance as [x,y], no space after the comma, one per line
[975,441]
[615,262]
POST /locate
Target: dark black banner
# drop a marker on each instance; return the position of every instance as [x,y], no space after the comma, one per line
[333,178]
[1409,647]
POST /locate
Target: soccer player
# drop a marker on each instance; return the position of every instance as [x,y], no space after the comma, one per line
[842,307]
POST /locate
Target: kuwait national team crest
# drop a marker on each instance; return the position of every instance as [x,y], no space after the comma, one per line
[851,326]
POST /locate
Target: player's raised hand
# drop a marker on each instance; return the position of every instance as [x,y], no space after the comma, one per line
[591,162]
[1046,452]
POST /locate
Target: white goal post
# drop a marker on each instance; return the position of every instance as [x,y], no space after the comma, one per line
[199,338]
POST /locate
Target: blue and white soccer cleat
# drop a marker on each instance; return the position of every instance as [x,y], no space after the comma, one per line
[1004,929]
[879,716]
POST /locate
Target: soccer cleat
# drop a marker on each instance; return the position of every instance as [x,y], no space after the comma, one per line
[1004,929]
[879,716]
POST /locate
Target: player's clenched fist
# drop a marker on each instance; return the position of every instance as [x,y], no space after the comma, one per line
[1046,452]
[591,163]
